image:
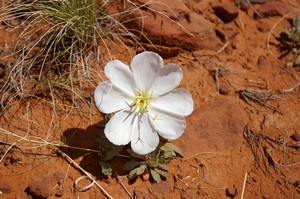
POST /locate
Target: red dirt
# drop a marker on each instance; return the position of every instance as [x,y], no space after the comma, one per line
[227,137]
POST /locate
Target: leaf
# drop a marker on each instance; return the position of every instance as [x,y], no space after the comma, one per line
[163,166]
[168,154]
[297,60]
[101,124]
[113,152]
[162,172]
[99,130]
[136,172]
[135,155]
[105,143]
[106,168]
[153,162]
[131,165]
[155,176]
[171,147]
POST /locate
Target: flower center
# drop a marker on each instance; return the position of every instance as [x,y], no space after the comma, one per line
[141,102]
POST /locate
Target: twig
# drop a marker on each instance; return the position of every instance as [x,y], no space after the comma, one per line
[223,47]
[11,146]
[85,172]
[259,96]
[204,153]
[46,143]
[290,89]
[122,184]
[244,185]
[269,35]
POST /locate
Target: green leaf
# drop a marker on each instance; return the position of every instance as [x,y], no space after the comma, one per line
[163,166]
[155,176]
[135,155]
[105,144]
[171,147]
[297,60]
[106,168]
[101,124]
[99,130]
[153,161]
[168,154]
[131,165]
[162,172]
[113,152]
[136,172]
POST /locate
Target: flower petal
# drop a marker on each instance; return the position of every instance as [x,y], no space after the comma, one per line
[121,76]
[120,127]
[169,78]
[109,99]
[178,101]
[146,66]
[168,125]
[144,138]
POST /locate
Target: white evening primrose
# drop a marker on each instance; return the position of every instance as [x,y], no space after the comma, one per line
[145,102]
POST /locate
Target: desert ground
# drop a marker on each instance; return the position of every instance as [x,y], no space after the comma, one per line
[241,141]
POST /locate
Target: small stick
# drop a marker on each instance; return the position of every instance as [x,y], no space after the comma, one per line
[122,184]
[204,153]
[223,47]
[269,35]
[85,172]
[244,185]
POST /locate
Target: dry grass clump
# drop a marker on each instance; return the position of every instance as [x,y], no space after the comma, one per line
[55,43]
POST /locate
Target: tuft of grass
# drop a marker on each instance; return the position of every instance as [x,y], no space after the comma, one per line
[55,40]
[293,33]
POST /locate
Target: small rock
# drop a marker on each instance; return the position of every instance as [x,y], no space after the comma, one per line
[224,89]
[263,27]
[164,32]
[5,187]
[296,136]
[272,8]
[227,12]
[244,6]
[146,176]
[164,187]
[184,195]
[39,189]
[59,193]
[262,62]
[231,192]
[179,176]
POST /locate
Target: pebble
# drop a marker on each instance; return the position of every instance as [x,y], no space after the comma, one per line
[272,8]
[39,189]
[231,192]
[59,193]
[224,89]
[296,136]
[227,12]
[5,187]
[262,62]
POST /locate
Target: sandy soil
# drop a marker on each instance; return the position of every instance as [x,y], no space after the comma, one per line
[242,138]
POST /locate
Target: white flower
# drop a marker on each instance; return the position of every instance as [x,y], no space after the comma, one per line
[145,102]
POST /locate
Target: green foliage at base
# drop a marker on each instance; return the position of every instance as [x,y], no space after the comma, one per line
[155,163]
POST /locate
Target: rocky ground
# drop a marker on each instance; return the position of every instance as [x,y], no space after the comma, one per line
[243,138]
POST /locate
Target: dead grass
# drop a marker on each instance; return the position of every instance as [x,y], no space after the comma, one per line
[58,46]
